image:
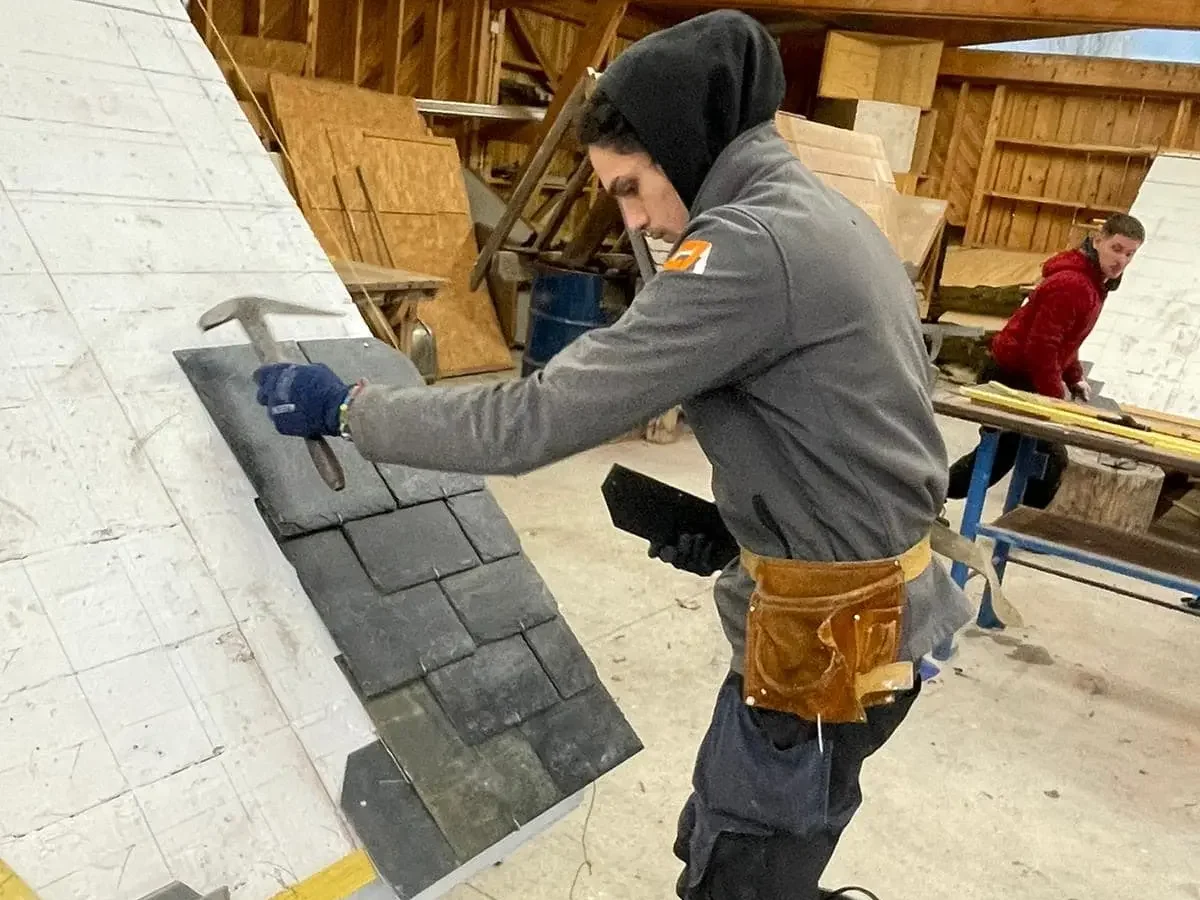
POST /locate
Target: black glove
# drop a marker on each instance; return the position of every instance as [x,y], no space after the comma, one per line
[689,553]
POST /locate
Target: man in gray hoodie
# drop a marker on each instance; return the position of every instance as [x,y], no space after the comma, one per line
[785,325]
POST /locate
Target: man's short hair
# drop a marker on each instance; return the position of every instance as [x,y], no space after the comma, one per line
[1125,225]
[601,124]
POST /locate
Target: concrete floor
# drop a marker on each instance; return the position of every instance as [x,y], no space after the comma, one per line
[1057,762]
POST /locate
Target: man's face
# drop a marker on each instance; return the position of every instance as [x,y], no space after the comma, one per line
[648,200]
[1115,252]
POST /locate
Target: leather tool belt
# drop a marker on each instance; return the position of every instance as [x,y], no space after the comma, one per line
[822,638]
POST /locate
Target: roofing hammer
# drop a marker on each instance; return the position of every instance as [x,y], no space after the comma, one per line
[251,312]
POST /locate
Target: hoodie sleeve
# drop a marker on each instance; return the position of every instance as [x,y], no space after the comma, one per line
[718,310]
[1047,346]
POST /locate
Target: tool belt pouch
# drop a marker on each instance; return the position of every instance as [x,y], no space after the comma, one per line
[822,638]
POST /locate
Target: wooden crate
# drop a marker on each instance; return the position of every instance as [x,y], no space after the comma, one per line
[893,123]
[880,67]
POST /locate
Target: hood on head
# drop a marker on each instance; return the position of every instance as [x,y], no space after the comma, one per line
[690,90]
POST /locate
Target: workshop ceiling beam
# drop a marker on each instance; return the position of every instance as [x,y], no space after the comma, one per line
[990,67]
[1103,14]
[579,12]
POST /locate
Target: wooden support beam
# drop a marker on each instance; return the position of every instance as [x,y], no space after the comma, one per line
[526,35]
[1183,116]
[1135,76]
[474,17]
[356,70]
[633,26]
[310,37]
[432,40]
[1104,14]
[393,33]
[979,195]
[960,110]
[255,18]
[590,47]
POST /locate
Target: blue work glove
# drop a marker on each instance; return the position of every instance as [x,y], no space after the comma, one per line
[690,553]
[302,400]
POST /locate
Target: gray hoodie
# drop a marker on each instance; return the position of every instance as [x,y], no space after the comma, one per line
[793,344]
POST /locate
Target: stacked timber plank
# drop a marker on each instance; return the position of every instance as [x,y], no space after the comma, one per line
[376,187]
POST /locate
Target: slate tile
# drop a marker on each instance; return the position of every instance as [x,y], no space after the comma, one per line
[293,496]
[375,361]
[580,739]
[387,639]
[498,686]
[459,787]
[411,546]
[527,787]
[501,598]
[486,525]
[562,657]
[395,828]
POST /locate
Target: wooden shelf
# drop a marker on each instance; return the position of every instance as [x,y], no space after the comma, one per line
[1099,149]
[1054,201]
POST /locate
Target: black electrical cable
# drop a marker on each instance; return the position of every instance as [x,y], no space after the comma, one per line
[844,892]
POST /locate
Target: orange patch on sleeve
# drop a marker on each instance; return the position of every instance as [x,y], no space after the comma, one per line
[692,256]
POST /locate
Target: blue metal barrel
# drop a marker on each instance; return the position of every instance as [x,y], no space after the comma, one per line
[563,304]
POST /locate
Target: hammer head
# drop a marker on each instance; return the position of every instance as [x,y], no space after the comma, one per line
[253,309]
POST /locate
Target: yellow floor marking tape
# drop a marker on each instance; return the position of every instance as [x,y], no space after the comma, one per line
[337,882]
[12,887]
[1006,400]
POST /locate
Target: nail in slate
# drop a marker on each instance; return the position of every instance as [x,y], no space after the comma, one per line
[461,790]
[411,546]
[501,598]
[580,739]
[498,686]
[488,528]
[562,657]
[292,494]
[387,639]
[404,843]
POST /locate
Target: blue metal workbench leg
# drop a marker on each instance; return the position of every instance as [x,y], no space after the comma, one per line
[985,460]
[1029,464]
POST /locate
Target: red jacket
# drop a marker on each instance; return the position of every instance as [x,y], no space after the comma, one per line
[1042,339]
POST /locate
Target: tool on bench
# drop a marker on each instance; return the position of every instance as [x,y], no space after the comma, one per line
[251,312]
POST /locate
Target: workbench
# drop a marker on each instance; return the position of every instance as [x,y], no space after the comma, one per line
[1146,557]
[388,298]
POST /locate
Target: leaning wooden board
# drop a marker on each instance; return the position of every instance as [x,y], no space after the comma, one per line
[421,221]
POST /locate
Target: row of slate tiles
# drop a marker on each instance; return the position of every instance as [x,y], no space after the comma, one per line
[477,687]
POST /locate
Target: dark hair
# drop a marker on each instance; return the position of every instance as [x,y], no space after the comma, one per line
[601,124]
[1124,225]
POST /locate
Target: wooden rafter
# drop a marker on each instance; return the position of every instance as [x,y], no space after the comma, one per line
[986,66]
[526,35]
[633,26]
[1100,13]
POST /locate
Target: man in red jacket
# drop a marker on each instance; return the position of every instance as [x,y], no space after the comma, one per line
[1038,350]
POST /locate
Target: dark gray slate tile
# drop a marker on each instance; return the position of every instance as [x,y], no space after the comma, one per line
[527,786]
[411,546]
[397,831]
[486,525]
[368,358]
[562,657]
[387,639]
[498,686]
[461,790]
[501,598]
[176,890]
[292,494]
[580,739]
[412,486]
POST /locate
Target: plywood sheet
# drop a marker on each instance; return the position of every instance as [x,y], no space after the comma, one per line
[919,221]
[978,266]
[299,101]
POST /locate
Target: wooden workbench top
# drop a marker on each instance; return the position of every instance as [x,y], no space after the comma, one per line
[951,403]
[366,276]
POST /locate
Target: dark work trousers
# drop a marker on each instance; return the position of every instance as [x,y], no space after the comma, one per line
[770,801]
[1039,491]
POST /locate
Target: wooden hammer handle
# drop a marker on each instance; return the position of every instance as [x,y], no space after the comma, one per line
[326,462]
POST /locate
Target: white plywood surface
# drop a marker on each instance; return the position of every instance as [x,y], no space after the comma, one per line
[1146,346]
[169,703]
